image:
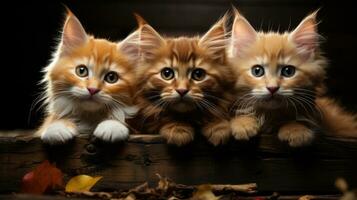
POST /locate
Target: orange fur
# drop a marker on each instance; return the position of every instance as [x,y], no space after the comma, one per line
[291,108]
[337,121]
[206,102]
[71,108]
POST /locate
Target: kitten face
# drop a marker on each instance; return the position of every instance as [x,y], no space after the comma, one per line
[275,69]
[87,73]
[183,74]
[93,77]
[182,77]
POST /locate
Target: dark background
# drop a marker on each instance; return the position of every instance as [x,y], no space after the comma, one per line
[31,30]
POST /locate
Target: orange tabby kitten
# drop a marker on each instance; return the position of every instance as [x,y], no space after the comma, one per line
[280,75]
[184,82]
[89,87]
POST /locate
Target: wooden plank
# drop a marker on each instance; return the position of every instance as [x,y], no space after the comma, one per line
[36,197]
[264,160]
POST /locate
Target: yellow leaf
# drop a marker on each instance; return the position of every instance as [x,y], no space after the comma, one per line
[81,183]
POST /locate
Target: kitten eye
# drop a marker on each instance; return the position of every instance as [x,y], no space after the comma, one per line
[82,71]
[258,70]
[111,77]
[198,74]
[167,73]
[288,71]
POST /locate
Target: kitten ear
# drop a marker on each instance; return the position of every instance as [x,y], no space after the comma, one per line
[139,19]
[215,40]
[130,46]
[142,43]
[150,41]
[73,34]
[243,35]
[305,36]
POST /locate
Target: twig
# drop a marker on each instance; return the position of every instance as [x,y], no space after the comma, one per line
[246,188]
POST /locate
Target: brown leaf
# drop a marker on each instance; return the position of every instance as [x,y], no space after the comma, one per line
[44,177]
[130,197]
[204,192]
[163,183]
[306,197]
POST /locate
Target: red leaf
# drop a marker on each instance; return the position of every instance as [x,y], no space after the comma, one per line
[44,177]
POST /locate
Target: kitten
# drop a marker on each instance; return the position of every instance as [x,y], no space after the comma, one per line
[280,85]
[89,87]
[184,82]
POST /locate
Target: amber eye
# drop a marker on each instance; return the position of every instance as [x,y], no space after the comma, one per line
[167,73]
[288,71]
[82,71]
[111,77]
[257,70]
[198,74]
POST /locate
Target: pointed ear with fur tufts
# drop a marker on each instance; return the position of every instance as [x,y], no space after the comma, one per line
[140,20]
[305,36]
[243,35]
[73,34]
[150,42]
[142,44]
[130,47]
[215,40]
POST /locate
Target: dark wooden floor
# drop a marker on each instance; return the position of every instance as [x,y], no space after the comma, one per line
[272,165]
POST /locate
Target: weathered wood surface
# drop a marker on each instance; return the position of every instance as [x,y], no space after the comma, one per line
[227,197]
[264,160]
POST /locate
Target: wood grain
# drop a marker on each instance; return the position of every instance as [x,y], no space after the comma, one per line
[264,160]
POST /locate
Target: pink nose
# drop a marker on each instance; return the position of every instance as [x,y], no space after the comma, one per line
[182,92]
[93,91]
[272,90]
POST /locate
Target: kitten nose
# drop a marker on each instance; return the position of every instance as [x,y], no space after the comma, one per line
[182,92]
[93,91]
[272,90]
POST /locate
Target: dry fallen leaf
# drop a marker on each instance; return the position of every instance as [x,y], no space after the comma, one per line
[204,192]
[163,183]
[43,178]
[306,197]
[81,183]
[130,197]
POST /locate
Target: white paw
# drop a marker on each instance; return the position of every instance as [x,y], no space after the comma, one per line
[111,131]
[58,133]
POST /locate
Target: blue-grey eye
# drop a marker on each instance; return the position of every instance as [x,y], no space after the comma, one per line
[82,71]
[288,71]
[167,73]
[258,70]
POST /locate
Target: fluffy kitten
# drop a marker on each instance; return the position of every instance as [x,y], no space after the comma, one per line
[184,82]
[280,75]
[89,87]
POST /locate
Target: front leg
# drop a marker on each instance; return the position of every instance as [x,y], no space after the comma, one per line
[244,127]
[177,133]
[296,134]
[111,131]
[57,131]
[217,132]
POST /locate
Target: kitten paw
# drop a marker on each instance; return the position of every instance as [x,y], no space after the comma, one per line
[111,131]
[244,127]
[178,134]
[58,133]
[295,134]
[217,133]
